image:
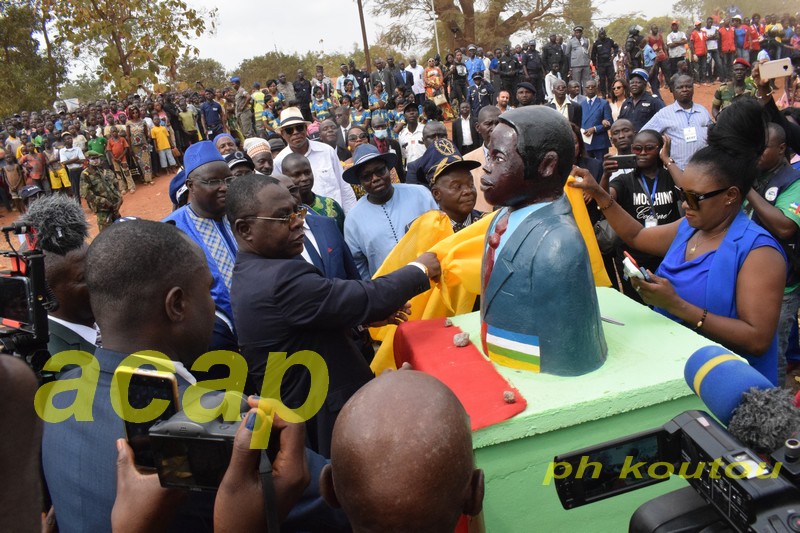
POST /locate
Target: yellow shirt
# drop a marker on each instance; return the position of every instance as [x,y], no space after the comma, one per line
[258,103]
[160,134]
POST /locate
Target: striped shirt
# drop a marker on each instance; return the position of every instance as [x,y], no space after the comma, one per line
[675,121]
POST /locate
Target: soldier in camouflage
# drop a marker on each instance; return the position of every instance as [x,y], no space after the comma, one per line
[100,191]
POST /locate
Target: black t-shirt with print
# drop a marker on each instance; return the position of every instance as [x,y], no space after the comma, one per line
[636,201]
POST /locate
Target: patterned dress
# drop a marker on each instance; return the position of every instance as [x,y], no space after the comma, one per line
[140,148]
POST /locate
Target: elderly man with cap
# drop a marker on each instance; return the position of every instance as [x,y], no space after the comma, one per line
[640,106]
[99,189]
[378,221]
[243,107]
[576,56]
[452,185]
[324,161]
[740,85]
[203,218]
[259,151]
[481,94]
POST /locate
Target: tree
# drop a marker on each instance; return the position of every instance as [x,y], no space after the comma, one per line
[133,40]
[492,24]
[25,74]
[207,71]
[87,88]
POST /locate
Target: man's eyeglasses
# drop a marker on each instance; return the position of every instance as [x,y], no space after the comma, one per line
[693,199]
[217,183]
[291,130]
[300,213]
[381,173]
[356,137]
[647,148]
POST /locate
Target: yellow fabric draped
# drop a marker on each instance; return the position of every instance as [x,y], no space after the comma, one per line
[460,255]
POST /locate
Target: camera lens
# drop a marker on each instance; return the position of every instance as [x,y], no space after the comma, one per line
[792,450]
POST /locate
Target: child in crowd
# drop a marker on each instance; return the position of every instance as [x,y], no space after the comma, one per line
[160,135]
[14,177]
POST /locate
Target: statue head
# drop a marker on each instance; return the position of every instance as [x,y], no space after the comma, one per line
[531,155]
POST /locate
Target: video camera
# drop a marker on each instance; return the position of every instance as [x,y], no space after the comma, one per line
[732,485]
[24,302]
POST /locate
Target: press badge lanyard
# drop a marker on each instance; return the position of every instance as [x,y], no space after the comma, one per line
[689,132]
[652,220]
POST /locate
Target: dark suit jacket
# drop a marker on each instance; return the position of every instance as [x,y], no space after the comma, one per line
[341,146]
[335,259]
[299,309]
[404,78]
[458,135]
[387,77]
[575,114]
[62,339]
[592,116]
[545,261]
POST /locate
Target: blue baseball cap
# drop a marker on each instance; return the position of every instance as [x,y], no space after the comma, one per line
[235,79]
[178,191]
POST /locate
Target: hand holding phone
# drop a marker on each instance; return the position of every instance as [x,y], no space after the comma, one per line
[624,161]
[633,270]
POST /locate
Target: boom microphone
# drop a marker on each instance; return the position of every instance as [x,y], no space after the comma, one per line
[60,223]
[756,412]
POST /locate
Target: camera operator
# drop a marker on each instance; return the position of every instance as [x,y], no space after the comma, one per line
[61,232]
[149,287]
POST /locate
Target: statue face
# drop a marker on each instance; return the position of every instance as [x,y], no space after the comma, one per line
[504,182]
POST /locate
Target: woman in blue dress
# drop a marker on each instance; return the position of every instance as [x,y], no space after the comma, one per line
[359,115]
[378,101]
[722,275]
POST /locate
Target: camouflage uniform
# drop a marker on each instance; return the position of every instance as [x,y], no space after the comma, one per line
[101,194]
[725,95]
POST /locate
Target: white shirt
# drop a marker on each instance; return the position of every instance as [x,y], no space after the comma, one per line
[466,131]
[411,143]
[65,154]
[419,85]
[327,173]
[674,37]
[712,45]
[87,333]
[563,109]
[549,81]
[312,240]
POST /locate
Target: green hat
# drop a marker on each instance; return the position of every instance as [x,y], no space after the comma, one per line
[92,153]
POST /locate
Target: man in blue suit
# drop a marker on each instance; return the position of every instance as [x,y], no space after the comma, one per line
[596,119]
[539,309]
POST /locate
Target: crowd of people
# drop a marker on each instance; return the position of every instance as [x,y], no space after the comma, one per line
[312,184]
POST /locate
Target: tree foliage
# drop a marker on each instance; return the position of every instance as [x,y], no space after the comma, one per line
[25,73]
[132,40]
[618,28]
[461,22]
[207,71]
[86,88]
[700,9]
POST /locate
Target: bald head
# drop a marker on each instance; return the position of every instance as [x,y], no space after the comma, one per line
[385,480]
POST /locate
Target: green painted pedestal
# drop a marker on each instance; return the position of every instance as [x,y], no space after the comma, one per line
[640,387]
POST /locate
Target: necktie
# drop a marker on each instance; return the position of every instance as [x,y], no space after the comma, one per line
[494,242]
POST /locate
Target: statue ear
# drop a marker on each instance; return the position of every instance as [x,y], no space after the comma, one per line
[548,165]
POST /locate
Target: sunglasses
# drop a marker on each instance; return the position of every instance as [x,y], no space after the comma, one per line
[291,218]
[382,173]
[693,199]
[647,148]
[618,88]
[356,137]
[291,130]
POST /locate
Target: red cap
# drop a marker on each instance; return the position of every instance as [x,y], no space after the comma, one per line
[741,61]
[674,21]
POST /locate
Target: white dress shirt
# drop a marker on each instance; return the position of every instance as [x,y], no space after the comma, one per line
[466,131]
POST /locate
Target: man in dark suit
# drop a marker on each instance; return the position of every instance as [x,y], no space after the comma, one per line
[595,121]
[541,257]
[342,117]
[332,135]
[465,135]
[403,78]
[383,75]
[563,105]
[301,310]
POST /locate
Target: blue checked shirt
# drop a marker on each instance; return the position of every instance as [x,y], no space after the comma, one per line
[674,121]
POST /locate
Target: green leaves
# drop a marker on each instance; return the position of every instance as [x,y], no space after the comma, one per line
[132,40]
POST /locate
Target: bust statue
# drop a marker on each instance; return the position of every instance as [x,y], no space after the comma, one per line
[539,309]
